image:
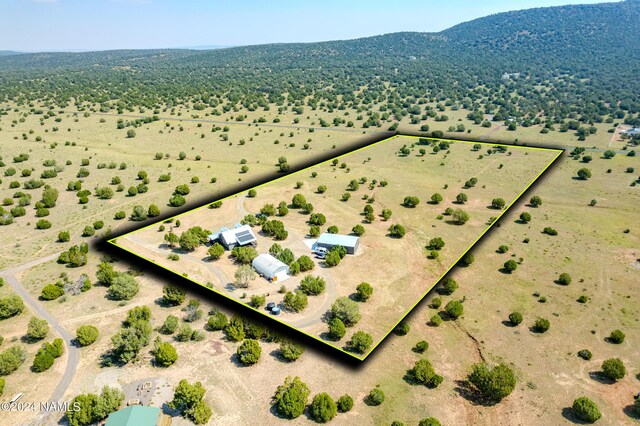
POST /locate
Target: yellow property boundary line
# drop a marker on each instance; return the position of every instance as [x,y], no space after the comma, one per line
[558,151]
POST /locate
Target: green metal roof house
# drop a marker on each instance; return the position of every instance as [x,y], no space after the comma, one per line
[138,415]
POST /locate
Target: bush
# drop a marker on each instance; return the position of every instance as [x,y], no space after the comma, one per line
[364,290]
[42,361]
[86,335]
[337,329]
[585,354]
[510,265]
[123,287]
[170,325]
[467,260]
[345,403]
[503,249]
[291,351]
[322,408]
[454,309]
[421,347]
[495,383]
[616,337]
[397,231]
[564,279]
[51,292]
[291,398]
[295,301]
[165,354]
[586,410]
[550,231]
[375,397]
[459,217]
[360,342]
[346,310]
[217,321]
[515,318]
[11,359]
[436,243]
[37,329]
[43,224]
[172,295]
[435,320]
[402,328]
[312,286]
[525,217]
[614,369]
[429,421]
[541,325]
[584,173]
[423,373]
[10,306]
[449,286]
[188,400]
[498,203]
[305,262]
[412,201]
[358,230]
[88,231]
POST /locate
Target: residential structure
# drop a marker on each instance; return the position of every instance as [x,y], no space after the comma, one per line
[240,235]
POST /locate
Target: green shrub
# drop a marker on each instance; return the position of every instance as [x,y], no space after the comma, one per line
[585,354]
[495,383]
[541,325]
[515,318]
[86,335]
[614,369]
[291,398]
[375,397]
[345,403]
[322,408]
[616,337]
[586,410]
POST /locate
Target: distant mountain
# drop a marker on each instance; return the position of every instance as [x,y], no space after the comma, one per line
[9,53]
[598,45]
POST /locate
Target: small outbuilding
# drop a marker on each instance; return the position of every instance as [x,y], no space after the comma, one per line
[270,267]
[138,415]
[240,235]
[329,241]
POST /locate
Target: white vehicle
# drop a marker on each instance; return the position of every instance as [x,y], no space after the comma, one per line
[321,252]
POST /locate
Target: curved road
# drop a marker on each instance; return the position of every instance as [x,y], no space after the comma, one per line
[73,353]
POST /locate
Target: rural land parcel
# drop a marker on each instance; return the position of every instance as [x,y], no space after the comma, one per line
[342,251]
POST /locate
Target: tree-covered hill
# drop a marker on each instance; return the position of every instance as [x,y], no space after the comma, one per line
[576,61]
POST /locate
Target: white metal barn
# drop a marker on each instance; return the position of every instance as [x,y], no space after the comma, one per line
[270,267]
[329,241]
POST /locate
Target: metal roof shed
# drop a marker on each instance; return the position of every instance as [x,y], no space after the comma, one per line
[328,241]
[270,267]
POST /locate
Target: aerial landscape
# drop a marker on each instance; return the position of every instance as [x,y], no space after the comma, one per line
[428,227]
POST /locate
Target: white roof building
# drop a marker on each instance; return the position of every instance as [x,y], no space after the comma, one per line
[270,267]
[239,236]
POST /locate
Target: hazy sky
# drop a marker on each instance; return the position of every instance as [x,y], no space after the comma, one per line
[45,25]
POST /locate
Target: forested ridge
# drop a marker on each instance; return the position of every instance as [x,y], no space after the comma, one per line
[569,62]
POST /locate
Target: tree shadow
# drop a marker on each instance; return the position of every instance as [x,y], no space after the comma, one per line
[509,324]
[568,414]
[235,360]
[468,392]
[504,271]
[599,377]
[632,411]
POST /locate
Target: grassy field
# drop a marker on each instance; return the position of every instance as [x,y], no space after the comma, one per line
[591,245]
